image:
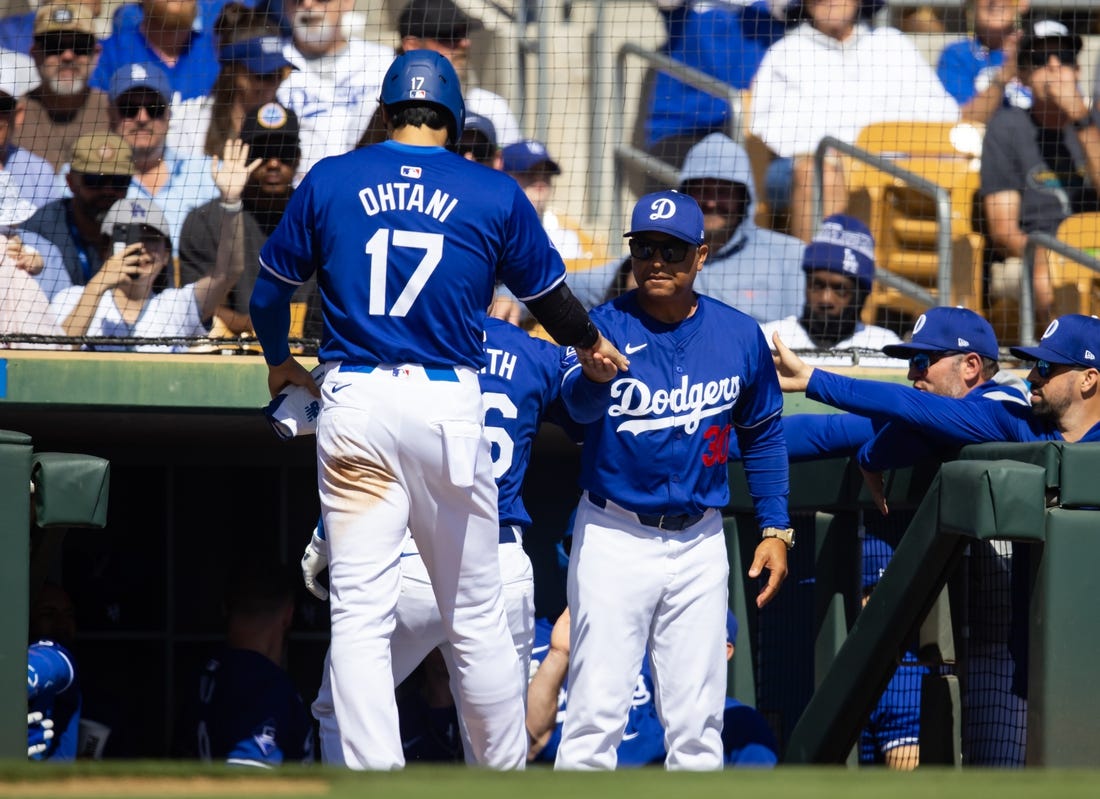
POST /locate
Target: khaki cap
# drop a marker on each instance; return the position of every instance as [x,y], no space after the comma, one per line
[102,154]
[53,17]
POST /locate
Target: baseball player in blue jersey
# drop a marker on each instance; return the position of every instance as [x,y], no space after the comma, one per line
[53,702]
[520,386]
[1064,382]
[408,240]
[953,352]
[648,565]
[892,734]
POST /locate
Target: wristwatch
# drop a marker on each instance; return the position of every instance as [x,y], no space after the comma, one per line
[786,536]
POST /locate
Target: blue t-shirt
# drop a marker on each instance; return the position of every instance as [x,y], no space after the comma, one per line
[725,42]
[192,75]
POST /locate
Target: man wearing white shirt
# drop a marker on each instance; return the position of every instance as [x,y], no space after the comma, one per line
[334,90]
[834,75]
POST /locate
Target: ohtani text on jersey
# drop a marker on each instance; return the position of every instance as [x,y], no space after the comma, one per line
[689,404]
[406,197]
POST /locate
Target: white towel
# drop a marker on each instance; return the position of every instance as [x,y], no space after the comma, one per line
[294,411]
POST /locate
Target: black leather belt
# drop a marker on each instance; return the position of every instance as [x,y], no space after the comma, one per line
[665,521]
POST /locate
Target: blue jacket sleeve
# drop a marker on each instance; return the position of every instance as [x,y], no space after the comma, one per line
[811,436]
[894,447]
[585,400]
[764,454]
[269,308]
[953,421]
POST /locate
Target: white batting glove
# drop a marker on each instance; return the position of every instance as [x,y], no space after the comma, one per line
[315,561]
[39,733]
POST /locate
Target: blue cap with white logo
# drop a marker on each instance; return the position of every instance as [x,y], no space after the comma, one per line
[843,245]
[668,212]
[1070,339]
[876,557]
[948,330]
[140,76]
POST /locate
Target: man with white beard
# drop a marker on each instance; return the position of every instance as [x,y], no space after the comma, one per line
[62,108]
[335,89]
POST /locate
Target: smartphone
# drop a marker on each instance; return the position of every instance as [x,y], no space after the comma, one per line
[123,236]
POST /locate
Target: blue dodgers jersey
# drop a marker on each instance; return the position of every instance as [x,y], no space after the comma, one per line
[408,244]
[247,711]
[895,721]
[519,384]
[661,439]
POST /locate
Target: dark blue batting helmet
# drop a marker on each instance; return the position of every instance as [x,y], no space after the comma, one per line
[425,76]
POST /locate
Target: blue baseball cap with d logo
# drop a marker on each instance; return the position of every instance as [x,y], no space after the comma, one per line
[947,329]
[1073,339]
[668,212]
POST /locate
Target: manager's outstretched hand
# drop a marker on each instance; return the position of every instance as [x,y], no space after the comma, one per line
[771,554]
[794,373]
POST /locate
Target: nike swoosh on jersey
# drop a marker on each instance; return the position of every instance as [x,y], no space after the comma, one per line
[630,736]
[340,387]
[633,348]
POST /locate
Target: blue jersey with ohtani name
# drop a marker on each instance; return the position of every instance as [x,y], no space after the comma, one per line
[519,386]
[408,243]
[656,437]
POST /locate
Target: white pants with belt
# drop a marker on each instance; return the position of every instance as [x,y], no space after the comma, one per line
[631,586]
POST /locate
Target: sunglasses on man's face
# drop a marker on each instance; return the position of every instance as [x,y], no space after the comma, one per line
[115,182]
[1046,369]
[284,155]
[923,360]
[56,44]
[130,108]
[671,252]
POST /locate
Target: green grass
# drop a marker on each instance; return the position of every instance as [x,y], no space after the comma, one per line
[173,779]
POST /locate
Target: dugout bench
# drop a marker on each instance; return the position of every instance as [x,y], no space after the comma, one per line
[54,491]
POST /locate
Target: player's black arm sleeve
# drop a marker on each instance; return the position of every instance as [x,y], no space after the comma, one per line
[565,318]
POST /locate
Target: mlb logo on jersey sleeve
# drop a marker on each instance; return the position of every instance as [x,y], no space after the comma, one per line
[411,172]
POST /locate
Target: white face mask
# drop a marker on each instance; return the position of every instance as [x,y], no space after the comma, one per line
[314,30]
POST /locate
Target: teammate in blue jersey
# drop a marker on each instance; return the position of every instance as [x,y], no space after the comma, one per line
[953,352]
[520,388]
[407,240]
[1064,382]
[747,740]
[891,736]
[244,709]
[53,702]
[648,566]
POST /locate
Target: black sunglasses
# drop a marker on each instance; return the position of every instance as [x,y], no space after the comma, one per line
[116,182]
[155,108]
[284,155]
[922,360]
[51,44]
[671,252]
[1045,369]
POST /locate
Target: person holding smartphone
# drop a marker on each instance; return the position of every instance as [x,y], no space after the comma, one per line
[127,298]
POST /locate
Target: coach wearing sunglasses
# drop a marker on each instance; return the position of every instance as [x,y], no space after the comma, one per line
[1041,165]
[62,108]
[140,113]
